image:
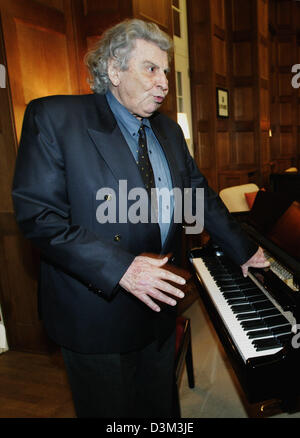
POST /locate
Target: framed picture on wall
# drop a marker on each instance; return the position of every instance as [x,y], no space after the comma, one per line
[222,102]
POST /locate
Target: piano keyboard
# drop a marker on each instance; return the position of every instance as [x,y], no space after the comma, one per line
[255,324]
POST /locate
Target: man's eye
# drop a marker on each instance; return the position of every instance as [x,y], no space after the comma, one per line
[151,69]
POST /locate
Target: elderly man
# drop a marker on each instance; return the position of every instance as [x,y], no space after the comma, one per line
[110,306]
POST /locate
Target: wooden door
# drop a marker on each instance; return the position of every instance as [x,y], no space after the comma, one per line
[38,50]
[160,12]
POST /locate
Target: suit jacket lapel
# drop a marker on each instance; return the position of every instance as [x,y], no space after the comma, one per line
[117,155]
[110,143]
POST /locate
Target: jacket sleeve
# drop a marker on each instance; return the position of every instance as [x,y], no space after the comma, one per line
[219,223]
[43,212]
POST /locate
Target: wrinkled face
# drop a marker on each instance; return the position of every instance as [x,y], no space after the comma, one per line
[143,87]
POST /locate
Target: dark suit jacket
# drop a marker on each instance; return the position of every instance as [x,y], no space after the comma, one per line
[71,146]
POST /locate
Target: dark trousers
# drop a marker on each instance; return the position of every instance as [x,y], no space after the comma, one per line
[138,384]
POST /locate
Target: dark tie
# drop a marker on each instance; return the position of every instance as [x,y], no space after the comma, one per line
[144,161]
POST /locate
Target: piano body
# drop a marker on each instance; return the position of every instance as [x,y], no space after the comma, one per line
[256,317]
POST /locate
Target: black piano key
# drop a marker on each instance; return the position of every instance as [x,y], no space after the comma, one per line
[269,312]
[259,314]
[264,305]
[239,294]
[243,283]
[233,294]
[217,270]
[230,289]
[287,328]
[250,288]
[248,293]
[253,324]
[274,321]
[241,300]
[246,300]
[257,299]
[224,278]
[248,315]
[284,338]
[226,284]
[233,283]
[243,308]
[266,344]
[263,333]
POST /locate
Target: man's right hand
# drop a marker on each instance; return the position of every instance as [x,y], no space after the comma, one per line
[145,278]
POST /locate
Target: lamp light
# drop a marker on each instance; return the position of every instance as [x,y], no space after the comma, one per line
[183,122]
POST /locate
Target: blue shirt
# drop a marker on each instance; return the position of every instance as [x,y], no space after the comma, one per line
[129,126]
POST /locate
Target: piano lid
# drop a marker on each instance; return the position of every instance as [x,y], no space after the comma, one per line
[267,208]
[286,231]
[274,221]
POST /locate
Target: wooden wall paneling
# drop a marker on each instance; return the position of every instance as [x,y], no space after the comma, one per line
[284,25]
[232,36]
[297,91]
[19,293]
[209,69]
[91,19]
[203,92]
[221,79]
[256,84]
[7,137]
[235,177]
[241,22]
[39,52]
[249,40]
[18,287]
[233,98]
[221,73]
[8,154]
[160,12]
[243,104]
[223,149]
[284,15]
[274,86]
[264,92]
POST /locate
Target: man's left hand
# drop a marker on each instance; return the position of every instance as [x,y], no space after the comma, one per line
[258,260]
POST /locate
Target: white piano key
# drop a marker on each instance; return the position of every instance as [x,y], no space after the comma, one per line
[237,333]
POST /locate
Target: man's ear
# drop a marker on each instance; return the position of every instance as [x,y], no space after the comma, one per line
[113,72]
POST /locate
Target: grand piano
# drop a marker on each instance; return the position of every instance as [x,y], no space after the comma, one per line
[256,317]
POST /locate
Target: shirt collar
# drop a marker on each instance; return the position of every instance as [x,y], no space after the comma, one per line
[128,120]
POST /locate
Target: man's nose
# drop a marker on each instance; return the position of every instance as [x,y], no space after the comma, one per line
[163,82]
